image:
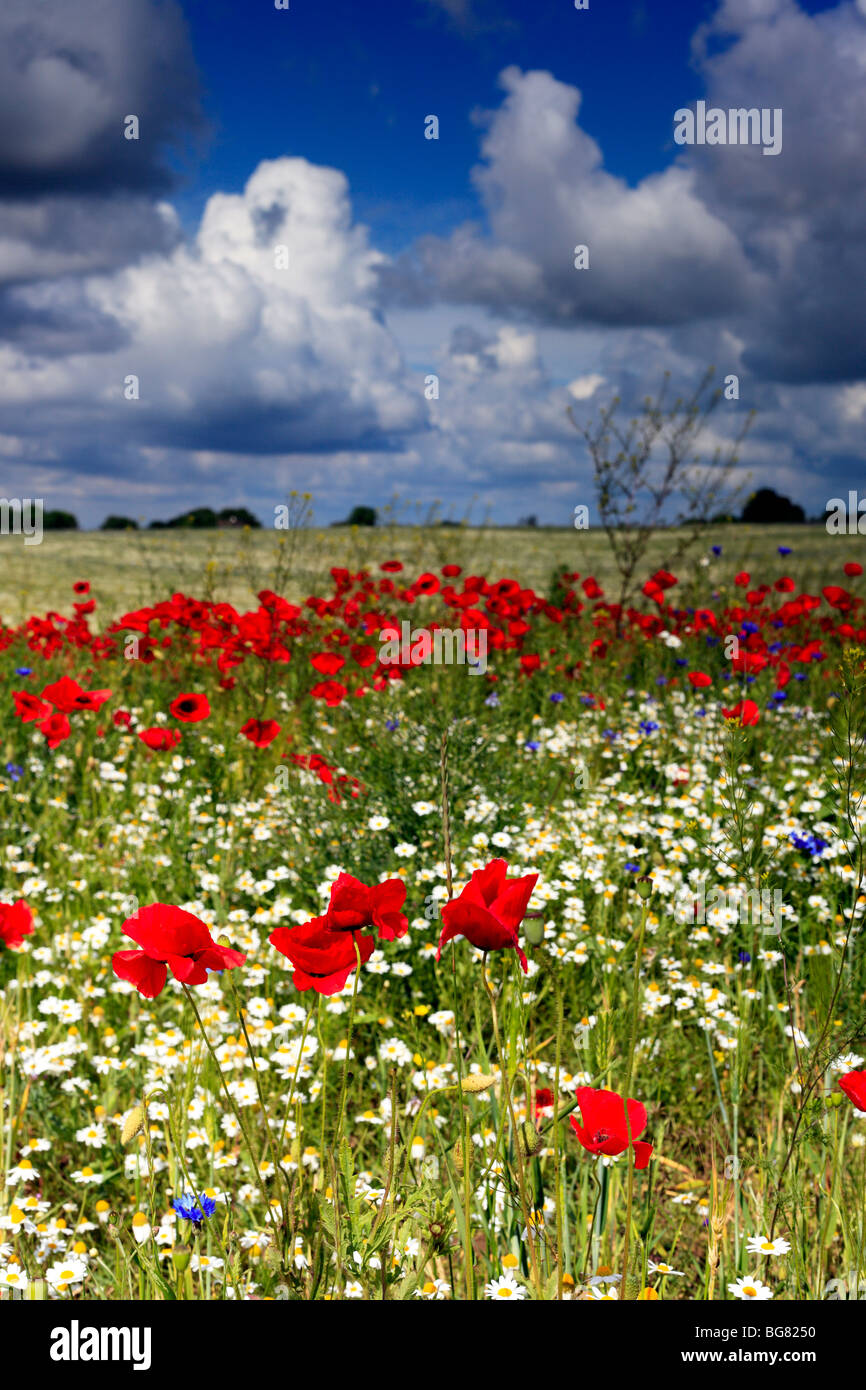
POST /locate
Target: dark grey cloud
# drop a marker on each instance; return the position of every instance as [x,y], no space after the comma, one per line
[71,73]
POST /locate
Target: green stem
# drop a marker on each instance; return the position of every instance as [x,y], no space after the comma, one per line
[345,1083]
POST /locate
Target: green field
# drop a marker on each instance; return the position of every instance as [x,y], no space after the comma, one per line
[131,568]
[333,1110]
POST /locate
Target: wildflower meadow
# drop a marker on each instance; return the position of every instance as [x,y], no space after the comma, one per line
[342,967]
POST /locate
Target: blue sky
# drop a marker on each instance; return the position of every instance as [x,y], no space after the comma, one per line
[408,257]
[352,92]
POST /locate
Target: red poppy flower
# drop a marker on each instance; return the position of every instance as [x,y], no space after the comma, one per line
[261,732]
[67,696]
[749,662]
[174,939]
[29,707]
[355,905]
[332,692]
[745,710]
[16,922]
[592,588]
[854,1086]
[605,1129]
[664,579]
[191,709]
[852,569]
[81,586]
[489,910]
[160,739]
[543,1101]
[323,959]
[742,579]
[327,663]
[392,566]
[699,680]
[56,729]
[364,654]
[451,571]
[530,661]
[426,584]
[836,597]
[121,718]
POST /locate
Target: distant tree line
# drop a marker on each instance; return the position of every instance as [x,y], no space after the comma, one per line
[764,508]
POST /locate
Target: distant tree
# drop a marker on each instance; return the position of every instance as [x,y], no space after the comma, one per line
[360,516]
[648,476]
[199,518]
[237,516]
[59,521]
[528,521]
[769,508]
[119,523]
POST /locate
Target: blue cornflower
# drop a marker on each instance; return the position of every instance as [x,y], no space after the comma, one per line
[648,726]
[784,549]
[799,675]
[701,713]
[661,680]
[712,641]
[812,845]
[611,734]
[745,957]
[24,670]
[492,699]
[750,627]
[532,746]
[716,549]
[681,661]
[633,868]
[778,696]
[15,772]
[392,724]
[194,1209]
[587,699]
[557,698]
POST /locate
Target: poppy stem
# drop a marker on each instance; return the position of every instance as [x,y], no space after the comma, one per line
[229,1096]
[629,1074]
[557,1153]
[595,1211]
[506,1088]
[469,1270]
[345,1083]
[278,1168]
[307,1018]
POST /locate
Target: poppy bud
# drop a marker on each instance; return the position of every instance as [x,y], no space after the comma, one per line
[180,1256]
[530,1140]
[644,886]
[534,931]
[478,1081]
